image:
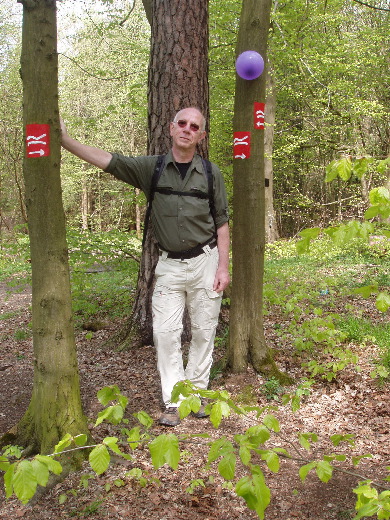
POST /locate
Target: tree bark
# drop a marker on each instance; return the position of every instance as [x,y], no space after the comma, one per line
[247,343]
[178,78]
[55,406]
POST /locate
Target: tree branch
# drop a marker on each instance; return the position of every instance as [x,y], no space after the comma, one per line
[114,78]
[371,6]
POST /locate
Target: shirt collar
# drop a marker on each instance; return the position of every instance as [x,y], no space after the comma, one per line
[196,161]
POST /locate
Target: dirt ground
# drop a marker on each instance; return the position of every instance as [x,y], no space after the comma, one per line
[353,404]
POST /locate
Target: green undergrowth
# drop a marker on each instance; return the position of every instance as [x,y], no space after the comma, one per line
[313,299]
[103,269]
[315,302]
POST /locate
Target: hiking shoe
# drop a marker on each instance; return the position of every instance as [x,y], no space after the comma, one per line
[201,414]
[170,417]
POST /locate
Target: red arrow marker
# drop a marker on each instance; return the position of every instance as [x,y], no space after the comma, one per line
[37,140]
[242,145]
[258,115]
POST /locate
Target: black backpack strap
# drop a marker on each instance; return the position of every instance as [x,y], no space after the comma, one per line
[153,188]
[210,183]
[160,163]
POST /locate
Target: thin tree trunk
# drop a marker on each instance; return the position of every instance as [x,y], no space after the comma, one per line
[271,227]
[85,201]
[247,343]
[55,406]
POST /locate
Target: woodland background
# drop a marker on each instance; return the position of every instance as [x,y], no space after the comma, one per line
[327,99]
[328,94]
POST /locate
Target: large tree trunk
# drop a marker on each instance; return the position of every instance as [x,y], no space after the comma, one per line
[55,407]
[247,343]
[178,78]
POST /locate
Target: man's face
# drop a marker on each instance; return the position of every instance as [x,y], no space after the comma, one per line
[186,131]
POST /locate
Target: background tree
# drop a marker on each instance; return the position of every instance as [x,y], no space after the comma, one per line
[55,406]
[246,335]
[12,207]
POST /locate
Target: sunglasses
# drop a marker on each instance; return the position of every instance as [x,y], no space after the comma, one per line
[182,123]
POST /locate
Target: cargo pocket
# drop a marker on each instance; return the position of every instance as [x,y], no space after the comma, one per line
[205,309]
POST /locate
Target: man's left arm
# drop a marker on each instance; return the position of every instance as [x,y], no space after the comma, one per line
[222,277]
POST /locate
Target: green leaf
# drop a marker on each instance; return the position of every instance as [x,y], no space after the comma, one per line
[257,435]
[99,458]
[24,481]
[255,492]
[324,470]
[8,480]
[383,165]
[219,410]
[144,419]
[165,449]
[64,443]
[81,440]
[339,168]
[366,291]
[304,470]
[108,394]
[181,389]
[360,166]
[112,414]
[41,472]
[53,465]
[133,437]
[344,168]
[311,233]
[371,212]
[272,423]
[4,463]
[302,246]
[272,460]
[188,405]
[383,301]
[379,196]
[112,443]
[245,455]
[331,171]
[219,448]
[304,439]
[244,489]
[337,438]
[367,510]
[227,466]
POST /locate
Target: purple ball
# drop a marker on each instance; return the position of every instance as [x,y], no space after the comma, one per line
[249,65]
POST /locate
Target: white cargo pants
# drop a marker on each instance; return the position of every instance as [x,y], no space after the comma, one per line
[181,282]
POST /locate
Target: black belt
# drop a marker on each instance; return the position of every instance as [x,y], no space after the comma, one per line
[191,253]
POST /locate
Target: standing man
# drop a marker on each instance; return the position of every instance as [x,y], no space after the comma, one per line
[193,267]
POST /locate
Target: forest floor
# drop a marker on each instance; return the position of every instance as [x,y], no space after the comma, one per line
[352,404]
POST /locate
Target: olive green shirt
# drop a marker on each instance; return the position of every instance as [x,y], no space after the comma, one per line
[179,222]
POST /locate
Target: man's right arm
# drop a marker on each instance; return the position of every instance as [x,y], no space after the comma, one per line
[89,154]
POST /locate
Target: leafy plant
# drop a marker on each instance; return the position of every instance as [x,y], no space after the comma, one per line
[271,388]
[250,449]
